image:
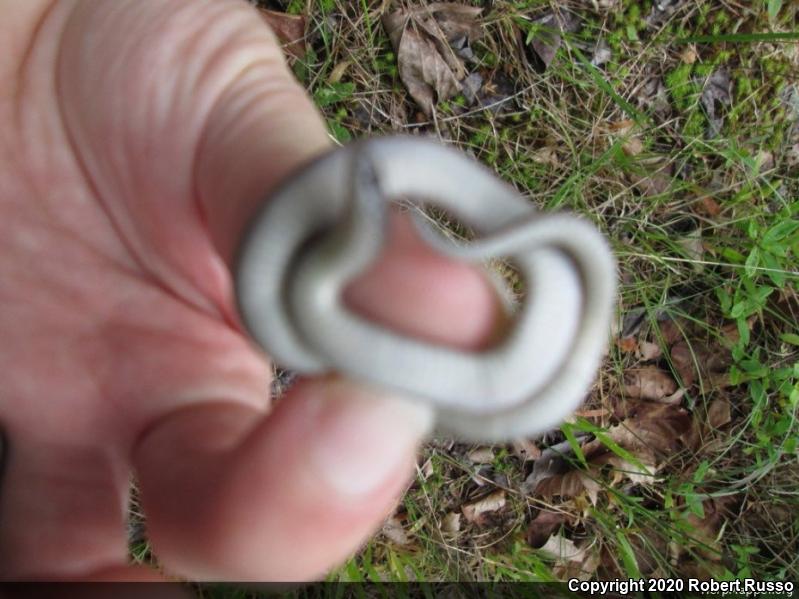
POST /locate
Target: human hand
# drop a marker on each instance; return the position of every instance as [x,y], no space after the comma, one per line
[138,138]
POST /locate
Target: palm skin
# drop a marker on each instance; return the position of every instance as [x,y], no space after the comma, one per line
[137,137]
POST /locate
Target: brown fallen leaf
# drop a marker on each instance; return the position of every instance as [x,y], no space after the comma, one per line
[475,511]
[622,126]
[428,66]
[627,345]
[633,146]
[546,155]
[457,21]
[592,413]
[338,71]
[648,382]
[426,470]
[716,96]
[524,449]
[718,412]
[640,473]
[653,96]
[481,455]
[451,523]
[648,351]
[695,361]
[547,38]
[552,462]
[569,485]
[662,429]
[583,568]
[654,184]
[559,547]
[289,29]
[672,329]
[694,249]
[395,532]
[708,206]
[542,526]
[704,530]
[689,54]
[682,358]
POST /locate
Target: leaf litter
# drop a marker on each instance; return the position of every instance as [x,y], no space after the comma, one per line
[289,29]
[432,43]
[477,511]
[655,416]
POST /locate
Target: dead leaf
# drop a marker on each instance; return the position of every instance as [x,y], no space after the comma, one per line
[661,428]
[627,345]
[426,470]
[581,569]
[682,358]
[642,473]
[704,530]
[547,39]
[451,523]
[718,412]
[602,54]
[672,330]
[542,526]
[661,12]
[693,361]
[457,21]
[428,65]
[569,485]
[621,127]
[594,413]
[560,548]
[475,511]
[338,71]
[482,455]
[648,382]
[716,97]
[653,184]
[648,351]
[689,55]
[524,449]
[471,87]
[765,161]
[653,97]
[289,29]
[395,532]
[633,146]
[546,155]
[553,462]
[708,206]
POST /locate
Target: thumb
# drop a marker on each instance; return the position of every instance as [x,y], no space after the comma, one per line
[183,116]
[261,129]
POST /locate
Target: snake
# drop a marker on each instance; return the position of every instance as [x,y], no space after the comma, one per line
[328,223]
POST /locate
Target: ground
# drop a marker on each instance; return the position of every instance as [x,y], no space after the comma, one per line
[674,127]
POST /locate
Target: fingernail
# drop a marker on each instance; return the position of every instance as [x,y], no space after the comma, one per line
[363,437]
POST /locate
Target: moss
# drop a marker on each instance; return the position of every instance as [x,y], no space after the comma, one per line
[743,87]
[694,125]
[681,86]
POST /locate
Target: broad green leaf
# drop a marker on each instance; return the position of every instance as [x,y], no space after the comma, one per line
[752,262]
[774,7]
[791,338]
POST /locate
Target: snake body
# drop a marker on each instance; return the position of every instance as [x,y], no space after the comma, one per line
[328,224]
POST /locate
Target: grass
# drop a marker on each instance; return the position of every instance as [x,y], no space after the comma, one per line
[706,233]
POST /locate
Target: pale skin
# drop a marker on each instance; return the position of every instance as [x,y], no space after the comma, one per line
[137,138]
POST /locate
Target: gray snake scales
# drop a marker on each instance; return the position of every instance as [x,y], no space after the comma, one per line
[328,223]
